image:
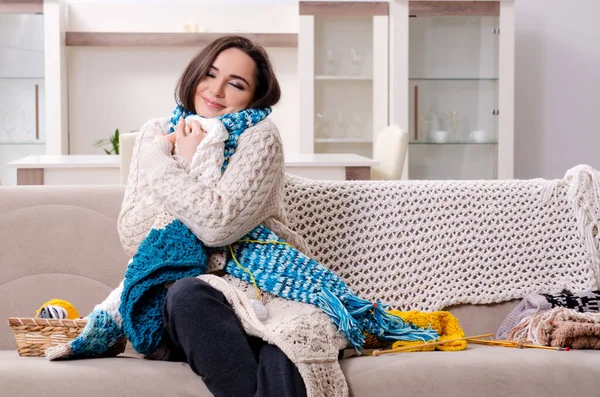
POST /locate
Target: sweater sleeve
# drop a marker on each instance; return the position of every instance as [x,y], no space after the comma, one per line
[138,209]
[240,201]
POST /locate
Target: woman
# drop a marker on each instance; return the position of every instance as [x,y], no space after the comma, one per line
[179,220]
[230,75]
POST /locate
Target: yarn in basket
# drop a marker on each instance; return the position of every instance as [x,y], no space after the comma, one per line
[58,309]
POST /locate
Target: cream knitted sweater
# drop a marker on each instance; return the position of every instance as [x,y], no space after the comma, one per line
[249,192]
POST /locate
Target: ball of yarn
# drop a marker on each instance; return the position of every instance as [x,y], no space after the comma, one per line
[51,311]
[260,309]
[57,308]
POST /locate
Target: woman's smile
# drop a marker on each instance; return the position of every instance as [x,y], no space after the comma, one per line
[213,104]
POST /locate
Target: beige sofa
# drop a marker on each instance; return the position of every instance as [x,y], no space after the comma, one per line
[61,242]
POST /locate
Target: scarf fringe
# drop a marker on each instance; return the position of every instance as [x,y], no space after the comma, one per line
[356,316]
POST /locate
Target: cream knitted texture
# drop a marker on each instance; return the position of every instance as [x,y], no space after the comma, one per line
[246,195]
[249,192]
[302,331]
[210,154]
[426,245]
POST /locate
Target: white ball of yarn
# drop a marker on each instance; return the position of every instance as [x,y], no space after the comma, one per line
[260,309]
[52,311]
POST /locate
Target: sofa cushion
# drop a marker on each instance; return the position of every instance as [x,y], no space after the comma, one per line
[482,319]
[123,376]
[489,371]
[478,371]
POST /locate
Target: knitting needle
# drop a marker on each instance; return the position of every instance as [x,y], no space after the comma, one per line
[566,349]
[515,344]
[492,342]
[401,349]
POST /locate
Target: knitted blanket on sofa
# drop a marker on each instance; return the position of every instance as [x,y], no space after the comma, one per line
[426,245]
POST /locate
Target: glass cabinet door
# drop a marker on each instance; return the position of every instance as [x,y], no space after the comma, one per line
[453,90]
[343,84]
[21,90]
[343,55]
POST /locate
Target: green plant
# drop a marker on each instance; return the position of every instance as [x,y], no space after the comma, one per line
[113,141]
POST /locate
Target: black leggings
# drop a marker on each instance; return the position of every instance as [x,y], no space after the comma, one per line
[203,330]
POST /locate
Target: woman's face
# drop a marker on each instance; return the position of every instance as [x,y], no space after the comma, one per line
[229,85]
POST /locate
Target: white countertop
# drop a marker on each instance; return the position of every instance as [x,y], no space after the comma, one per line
[112,161]
[67,161]
[328,160]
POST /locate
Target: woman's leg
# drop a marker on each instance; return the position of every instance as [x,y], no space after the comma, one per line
[200,322]
[277,375]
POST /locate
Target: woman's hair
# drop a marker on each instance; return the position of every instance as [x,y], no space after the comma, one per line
[267,91]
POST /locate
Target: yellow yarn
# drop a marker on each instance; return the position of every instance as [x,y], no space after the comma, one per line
[444,323]
[248,271]
[72,313]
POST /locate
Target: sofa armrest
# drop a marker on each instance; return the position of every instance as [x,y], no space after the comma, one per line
[57,242]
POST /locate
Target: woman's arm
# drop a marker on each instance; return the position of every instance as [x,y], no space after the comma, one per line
[138,209]
[243,197]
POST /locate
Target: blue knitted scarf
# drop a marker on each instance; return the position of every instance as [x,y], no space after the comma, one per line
[174,252]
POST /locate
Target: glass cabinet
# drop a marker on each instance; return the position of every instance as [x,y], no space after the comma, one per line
[343,70]
[22,130]
[457,79]
[441,70]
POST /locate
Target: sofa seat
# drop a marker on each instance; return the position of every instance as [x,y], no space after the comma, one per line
[123,376]
[478,371]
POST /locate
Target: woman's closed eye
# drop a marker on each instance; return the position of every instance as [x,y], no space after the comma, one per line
[231,83]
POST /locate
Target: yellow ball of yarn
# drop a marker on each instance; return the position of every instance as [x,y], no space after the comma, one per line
[72,313]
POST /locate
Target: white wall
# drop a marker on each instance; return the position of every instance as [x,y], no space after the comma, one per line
[122,87]
[557,105]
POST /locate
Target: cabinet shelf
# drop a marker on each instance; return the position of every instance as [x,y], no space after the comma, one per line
[153,39]
[453,79]
[340,77]
[18,143]
[22,78]
[343,8]
[453,143]
[343,140]
[22,7]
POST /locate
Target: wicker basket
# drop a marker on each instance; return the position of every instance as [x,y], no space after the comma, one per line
[35,335]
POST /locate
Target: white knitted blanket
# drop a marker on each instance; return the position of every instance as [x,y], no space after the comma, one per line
[423,245]
[426,245]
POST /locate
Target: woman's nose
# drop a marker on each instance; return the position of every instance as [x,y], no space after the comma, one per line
[217,88]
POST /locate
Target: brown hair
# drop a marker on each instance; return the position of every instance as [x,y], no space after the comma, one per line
[267,91]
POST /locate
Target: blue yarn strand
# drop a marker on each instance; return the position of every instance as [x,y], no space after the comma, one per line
[344,321]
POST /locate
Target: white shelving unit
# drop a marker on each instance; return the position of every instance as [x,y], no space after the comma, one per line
[457,55]
[343,75]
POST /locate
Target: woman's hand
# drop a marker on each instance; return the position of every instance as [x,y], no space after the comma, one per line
[168,137]
[188,143]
